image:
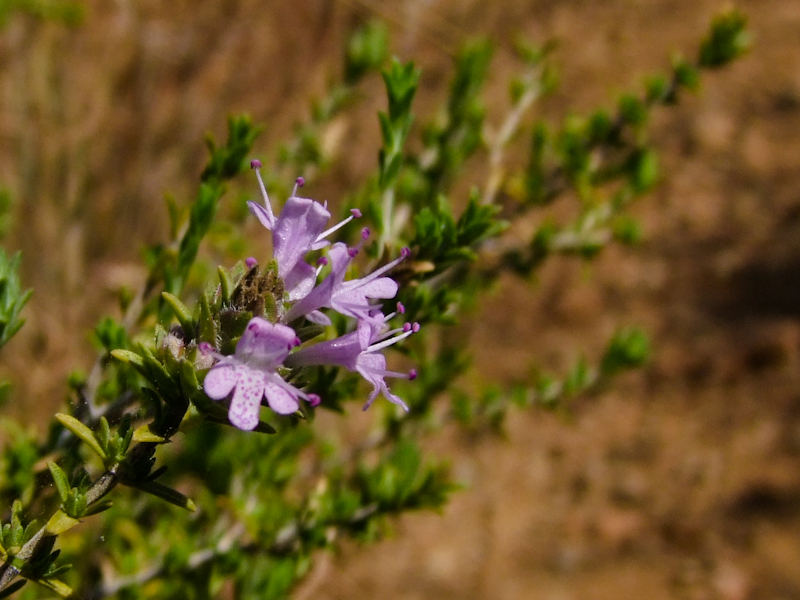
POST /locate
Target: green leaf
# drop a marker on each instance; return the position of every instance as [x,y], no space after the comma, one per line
[97,508]
[657,89]
[165,493]
[12,298]
[158,376]
[629,348]
[104,435]
[644,165]
[60,522]
[30,530]
[207,326]
[686,74]
[229,160]
[727,40]
[54,585]
[367,49]
[627,230]
[579,378]
[226,285]
[17,585]
[110,334]
[401,82]
[130,358]
[55,571]
[143,434]
[82,432]
[181,312]
[633,110]
[60,478]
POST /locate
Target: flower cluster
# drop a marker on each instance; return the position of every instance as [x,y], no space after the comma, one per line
[254,373]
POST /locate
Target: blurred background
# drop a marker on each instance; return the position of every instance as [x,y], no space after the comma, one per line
[683,481]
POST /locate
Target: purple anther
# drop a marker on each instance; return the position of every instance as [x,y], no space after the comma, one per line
[300,182]
[351,252]
[365,233]
[205,348]
[412,374]
[406,327]
[250,262]
[415,327]
[405,252]
[296,342]
[355,212]
[313,399]
[400,308]
[255,164]
[323,261]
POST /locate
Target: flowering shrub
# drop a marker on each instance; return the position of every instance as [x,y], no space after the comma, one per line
[299,332]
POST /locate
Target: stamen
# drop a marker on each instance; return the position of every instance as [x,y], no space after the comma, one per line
[412,374]
[365,233]
[313,399]
[250,262]
[256,164]
[354,214]
[389,334]
[391,374]
[293,391]
[299,182]
[400,308]
[391,341]
[376,273]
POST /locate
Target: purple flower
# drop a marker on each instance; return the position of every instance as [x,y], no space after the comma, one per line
[299,229]
[350,298]
[359,352]
[251,374]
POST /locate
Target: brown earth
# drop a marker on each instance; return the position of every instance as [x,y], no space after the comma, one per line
[683,481]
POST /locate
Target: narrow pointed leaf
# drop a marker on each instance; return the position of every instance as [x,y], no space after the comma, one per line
[143,434]
[206,325]
[166,493]
[181,312]
[60,479]
[54,585]
[225,285]
[17,585]
[60,522]
[130,358]
[104,435]
[83,432]
[97,508]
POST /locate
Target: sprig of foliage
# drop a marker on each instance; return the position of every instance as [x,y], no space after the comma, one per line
[12,298]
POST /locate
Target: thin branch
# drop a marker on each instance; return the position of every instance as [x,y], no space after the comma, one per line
[507,130]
